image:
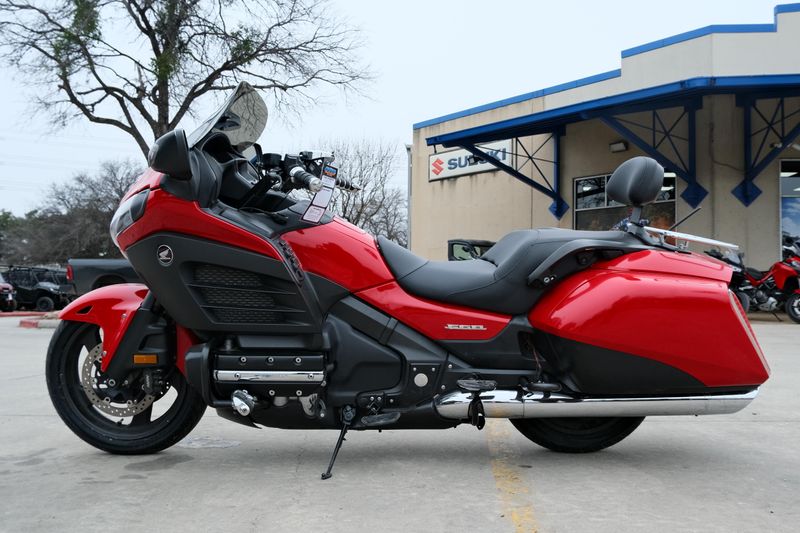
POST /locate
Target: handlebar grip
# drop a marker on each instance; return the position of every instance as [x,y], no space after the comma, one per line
[346,184]
[305,179]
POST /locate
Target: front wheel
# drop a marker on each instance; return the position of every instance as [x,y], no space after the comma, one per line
[744,299]
[115,417]
[576,435]
[793,307]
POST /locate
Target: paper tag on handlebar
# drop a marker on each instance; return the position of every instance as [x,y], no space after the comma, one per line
[316,209]
[329,171]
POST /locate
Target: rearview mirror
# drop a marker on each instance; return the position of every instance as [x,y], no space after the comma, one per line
[636,182]
[170,155]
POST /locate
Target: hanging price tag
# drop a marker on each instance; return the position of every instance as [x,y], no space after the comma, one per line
[318,205]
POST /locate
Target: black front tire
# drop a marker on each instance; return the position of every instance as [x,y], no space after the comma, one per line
[45,304]
[793,307]
[73,406]
[576,435]
[744,299]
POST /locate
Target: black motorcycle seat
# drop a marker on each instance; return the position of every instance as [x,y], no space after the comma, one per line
[497,281]
[754,273]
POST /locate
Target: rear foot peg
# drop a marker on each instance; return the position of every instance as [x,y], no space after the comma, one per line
[383,419]
[476,385]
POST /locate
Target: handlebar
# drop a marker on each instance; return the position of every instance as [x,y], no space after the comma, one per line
[346,184]
[305,179]
[309,181]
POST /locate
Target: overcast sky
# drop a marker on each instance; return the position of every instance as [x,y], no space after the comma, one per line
[431,58]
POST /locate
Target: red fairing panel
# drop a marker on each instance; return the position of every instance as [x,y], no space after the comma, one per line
[432,318]
[112,308]
[165,212]
[149,180]
[782,273]
[650,304]
[341,253]
[701,266]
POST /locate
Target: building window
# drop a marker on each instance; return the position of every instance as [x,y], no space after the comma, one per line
[790,202]
[594,210]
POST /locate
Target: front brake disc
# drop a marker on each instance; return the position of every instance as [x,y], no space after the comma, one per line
[89,372]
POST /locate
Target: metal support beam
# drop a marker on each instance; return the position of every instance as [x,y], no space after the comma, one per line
[775,128]
[686,167]
[559,207]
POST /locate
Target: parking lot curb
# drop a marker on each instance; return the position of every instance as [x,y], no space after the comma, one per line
[42,323]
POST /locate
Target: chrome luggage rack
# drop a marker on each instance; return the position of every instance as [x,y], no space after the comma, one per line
[686,238]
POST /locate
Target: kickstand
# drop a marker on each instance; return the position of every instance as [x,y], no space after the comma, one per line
[776,316]
[348,413]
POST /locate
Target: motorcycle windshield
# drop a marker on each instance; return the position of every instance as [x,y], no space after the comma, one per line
[242,118]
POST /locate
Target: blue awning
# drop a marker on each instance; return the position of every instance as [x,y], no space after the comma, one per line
[642,99]
[749,91]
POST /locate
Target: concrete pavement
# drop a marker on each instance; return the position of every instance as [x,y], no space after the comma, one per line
[726,473]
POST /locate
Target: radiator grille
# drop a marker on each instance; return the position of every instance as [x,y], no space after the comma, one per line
[227,277]
[234,296]
[247,316]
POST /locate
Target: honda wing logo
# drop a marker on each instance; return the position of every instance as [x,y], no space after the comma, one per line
[164,254]
[437,166]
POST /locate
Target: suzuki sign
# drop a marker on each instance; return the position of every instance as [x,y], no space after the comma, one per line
[460,162]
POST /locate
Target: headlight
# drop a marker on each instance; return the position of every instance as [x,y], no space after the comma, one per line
[127,213]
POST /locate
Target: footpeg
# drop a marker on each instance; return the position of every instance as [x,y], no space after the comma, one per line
[383,419]
[243,403]
[539,386]
[476,385]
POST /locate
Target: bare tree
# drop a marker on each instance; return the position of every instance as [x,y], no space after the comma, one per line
[73,218]
[140,65]
[379,207]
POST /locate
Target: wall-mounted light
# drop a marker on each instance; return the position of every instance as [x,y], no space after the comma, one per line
[619,146]
[796,146]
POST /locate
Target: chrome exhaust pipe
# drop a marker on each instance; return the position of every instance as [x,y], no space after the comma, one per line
[514,404]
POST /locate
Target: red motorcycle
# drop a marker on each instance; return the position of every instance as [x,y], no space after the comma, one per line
[276,313]
[778,287]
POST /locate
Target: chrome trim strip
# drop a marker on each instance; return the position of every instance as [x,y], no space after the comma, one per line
[271,376]
[509,404]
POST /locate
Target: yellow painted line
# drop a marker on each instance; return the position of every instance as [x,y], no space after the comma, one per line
[512,490]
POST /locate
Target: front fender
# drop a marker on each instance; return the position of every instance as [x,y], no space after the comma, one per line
[112,308]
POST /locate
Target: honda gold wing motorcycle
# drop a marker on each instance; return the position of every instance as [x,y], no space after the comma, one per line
[276,313]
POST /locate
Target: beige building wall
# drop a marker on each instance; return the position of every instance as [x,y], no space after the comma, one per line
[491,204]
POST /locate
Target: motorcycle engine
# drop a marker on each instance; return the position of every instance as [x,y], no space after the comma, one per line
[759,297]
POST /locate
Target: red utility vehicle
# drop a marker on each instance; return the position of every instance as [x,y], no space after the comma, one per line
[276,313]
